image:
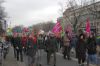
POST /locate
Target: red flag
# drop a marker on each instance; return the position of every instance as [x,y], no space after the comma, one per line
[88,26]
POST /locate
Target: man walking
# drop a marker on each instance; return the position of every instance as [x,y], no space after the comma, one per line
[51,48]
[19,48]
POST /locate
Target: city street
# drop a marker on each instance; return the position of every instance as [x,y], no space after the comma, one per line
[11,61]
[35,29]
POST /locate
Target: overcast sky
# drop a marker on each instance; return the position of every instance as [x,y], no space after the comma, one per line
[28,12]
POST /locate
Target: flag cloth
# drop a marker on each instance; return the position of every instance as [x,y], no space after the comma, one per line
[69,30]
[57,29]
[88,26]
[88,31]
[63,31]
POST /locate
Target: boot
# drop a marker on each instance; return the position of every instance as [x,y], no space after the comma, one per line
[54,64]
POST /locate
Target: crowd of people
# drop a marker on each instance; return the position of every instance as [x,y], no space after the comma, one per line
[32,44]
[29,45]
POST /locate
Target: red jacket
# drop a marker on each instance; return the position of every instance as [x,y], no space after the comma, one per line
[24,41]
[34,40]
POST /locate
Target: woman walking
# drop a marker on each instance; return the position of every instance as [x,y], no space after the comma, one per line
[81,50]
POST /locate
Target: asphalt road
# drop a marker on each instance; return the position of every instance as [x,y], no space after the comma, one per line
[11,61]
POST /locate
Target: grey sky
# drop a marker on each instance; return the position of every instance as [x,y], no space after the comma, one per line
[28,12]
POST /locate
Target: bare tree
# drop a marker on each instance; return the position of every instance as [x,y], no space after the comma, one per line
[75,12]
[46,26]
[72,16]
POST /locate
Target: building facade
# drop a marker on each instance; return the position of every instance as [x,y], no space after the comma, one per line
[3,26]
[78,17]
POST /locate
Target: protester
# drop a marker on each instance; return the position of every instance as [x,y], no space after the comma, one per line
[46,42]
[81,50]
[19,48]
[51,45]
[5,46]
[31,49]
[91,50]
[67,47]
[40,43]
[23,42]
[13,43]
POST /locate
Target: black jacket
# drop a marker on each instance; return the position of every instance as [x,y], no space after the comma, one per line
[31,51]
[81,47]
[51,44]
[18,42]
[91,45]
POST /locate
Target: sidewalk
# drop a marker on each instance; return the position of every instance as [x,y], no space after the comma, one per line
[11,61]
[75,59]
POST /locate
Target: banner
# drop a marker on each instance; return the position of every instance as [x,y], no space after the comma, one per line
[88,30]
[57,29]
[88,26]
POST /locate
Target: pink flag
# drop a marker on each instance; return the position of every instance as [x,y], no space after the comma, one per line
[57,28]
[88,26]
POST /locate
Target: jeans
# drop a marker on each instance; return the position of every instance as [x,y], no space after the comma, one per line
[66,52]
[19,53]
[92,59]
[31,60]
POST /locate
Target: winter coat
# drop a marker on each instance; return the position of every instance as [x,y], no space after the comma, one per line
[66,41]
[81,48]
[40,43]
[18,43]
[91,46]
[24,41]
[14,42]
[31,47]
[51,44]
